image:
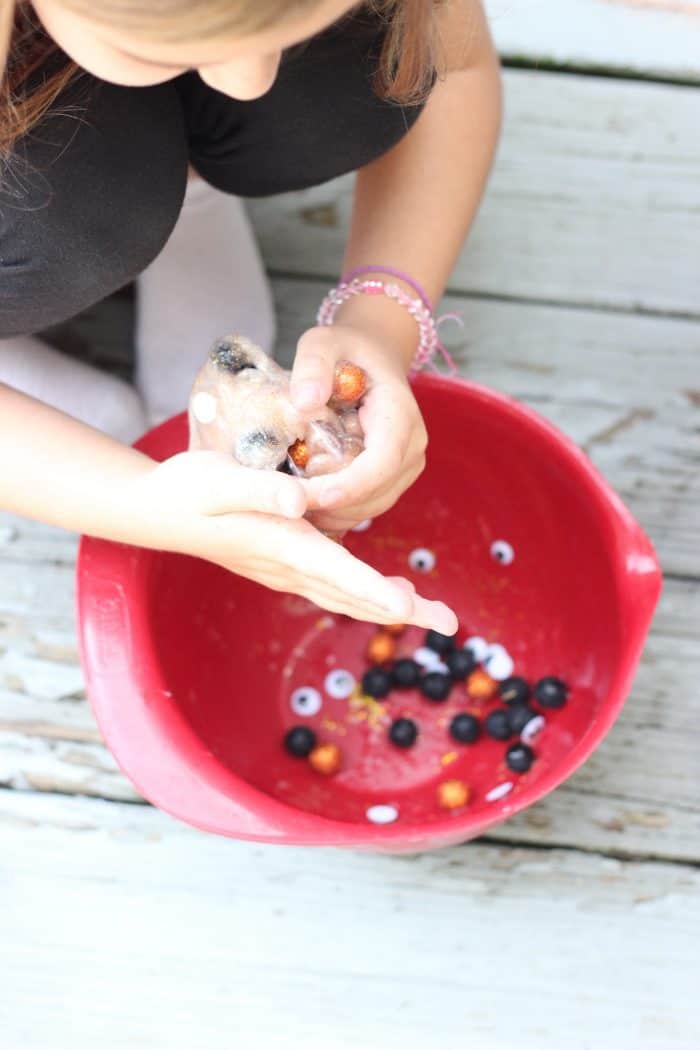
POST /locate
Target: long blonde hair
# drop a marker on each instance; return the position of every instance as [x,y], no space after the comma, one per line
[405,69]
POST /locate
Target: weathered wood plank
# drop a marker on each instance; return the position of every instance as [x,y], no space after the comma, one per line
[594,200]
[125,928]
[636,795]
[653,37]
[626,388]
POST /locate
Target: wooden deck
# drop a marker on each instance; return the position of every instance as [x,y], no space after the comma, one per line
[576,923]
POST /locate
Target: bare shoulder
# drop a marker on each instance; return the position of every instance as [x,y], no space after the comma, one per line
[463,34]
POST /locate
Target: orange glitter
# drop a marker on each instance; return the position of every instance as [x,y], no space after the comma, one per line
[448,758]
[326,759]
[299,453]
[452,794]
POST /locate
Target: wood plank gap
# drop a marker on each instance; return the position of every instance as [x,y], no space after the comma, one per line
[592,69]
[587,306]
[76,794]
[631,856]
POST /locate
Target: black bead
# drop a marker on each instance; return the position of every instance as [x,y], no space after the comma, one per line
[439,643]
[406,674]
[461,663]
[518,717]
[436,686]
[514,690]
[497,724]
[465,728]
[551,692]
[376,682]
[519,758]
[403,732]
[300,741]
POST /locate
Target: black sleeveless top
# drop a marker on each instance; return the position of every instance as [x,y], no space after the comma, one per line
[93,192]
[321,117]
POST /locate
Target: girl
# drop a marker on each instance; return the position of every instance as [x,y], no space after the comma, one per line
[105,106]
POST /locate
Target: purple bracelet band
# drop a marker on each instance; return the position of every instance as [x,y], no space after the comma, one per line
[405,277]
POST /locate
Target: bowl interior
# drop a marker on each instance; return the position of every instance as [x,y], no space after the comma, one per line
[231,653]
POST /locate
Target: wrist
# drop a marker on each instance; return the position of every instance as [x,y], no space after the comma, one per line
[385,320]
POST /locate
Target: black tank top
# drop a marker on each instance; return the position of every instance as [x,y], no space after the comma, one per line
[320,119]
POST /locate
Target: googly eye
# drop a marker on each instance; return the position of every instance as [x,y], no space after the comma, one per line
[339,683]
[204,407]
[478,647]
[382,814]
[499,791]
[362,526]
[501,551]
[533,729]
[498,663]
[422,560]
[305,701]
[427,658]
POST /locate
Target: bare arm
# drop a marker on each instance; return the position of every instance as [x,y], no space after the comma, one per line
[414,205]
[65,473]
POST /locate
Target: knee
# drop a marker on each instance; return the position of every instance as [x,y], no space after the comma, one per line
[54,264]
[82,217]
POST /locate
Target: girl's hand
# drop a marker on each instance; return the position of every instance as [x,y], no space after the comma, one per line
[250,522]
[395,435]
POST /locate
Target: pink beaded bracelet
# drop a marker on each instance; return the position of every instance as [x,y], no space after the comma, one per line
[419,308]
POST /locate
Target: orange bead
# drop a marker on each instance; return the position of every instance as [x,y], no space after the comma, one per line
[480,685]
[452,794]
[395,628]
[326,759]
[381,648]
[349,382]
[299,453]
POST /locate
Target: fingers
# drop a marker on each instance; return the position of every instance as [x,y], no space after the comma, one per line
[343,519]
[394,445]
[338,579]
[311,384]
[221,486]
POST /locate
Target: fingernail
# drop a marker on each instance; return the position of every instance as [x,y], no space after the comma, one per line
[329,497]
[307,395]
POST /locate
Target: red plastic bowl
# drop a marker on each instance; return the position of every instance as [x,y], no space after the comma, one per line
[190,669]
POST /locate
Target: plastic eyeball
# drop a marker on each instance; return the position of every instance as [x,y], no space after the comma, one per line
[501,551]
[204,407]
[305,701]
[478,647]
[498,663]
[500,791]
[427,658]
[382,814]
[339,684]
[422,560]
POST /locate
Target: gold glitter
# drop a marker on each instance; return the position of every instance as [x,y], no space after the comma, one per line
[367,709]
[447,758]
[334,727]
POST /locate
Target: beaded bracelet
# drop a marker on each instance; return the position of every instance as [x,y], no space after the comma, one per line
[420,309]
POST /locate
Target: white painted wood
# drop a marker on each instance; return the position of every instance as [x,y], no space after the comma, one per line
[595,199]
[123,928]
[652,37]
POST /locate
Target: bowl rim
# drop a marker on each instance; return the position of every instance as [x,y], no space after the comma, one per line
[231,800]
